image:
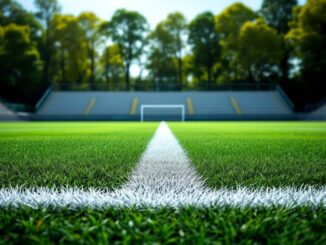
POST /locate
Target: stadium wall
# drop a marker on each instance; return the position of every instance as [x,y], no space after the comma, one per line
[121,106]
[271,105]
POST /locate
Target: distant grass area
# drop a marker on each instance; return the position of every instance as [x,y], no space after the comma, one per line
[164,226]
[74,154]
[256,153]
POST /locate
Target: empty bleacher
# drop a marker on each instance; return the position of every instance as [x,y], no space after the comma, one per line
[200,105]
[4,110]
[6,113]
[318,114]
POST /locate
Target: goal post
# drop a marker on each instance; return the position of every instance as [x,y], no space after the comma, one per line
[144,107]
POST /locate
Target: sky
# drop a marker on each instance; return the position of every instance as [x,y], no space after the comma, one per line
[154,10]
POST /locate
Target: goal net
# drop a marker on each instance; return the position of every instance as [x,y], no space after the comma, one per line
[162,112]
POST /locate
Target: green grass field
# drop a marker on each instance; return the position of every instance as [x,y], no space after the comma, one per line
[73,154]
[256,154]
[104,154]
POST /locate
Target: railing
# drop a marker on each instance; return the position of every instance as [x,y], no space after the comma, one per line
[313,107]
[147,86]
[283,94]
[16,107]
[43,98]
[20,107]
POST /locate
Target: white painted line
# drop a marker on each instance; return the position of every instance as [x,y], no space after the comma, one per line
[163,177]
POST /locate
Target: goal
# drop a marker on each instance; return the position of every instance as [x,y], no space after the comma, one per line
[144,107]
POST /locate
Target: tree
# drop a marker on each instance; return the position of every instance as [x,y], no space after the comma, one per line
[11,12]
[19,61]
[204,41]
[112,64]
[259,50]
[228,25]
[308,37]
[129,30]
[176,25]
[278,14]
[46,11]
[91,26]
[71,50]
[162,65]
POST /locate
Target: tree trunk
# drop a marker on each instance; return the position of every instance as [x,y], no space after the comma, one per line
[180,71]
[92,79]
[46,69]
[285,67]
[127,76]
[47,54]
[106,71]
[180,65]
[92,60]
[251,76]
[209,74]
[62,66]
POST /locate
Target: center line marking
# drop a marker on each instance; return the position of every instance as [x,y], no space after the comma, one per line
[163,177]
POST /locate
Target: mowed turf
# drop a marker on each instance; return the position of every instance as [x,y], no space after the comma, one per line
[103,154]
[164,226]
[256,154]
[70,154]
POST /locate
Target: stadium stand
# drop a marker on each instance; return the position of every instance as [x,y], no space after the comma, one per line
[199,105]
[318,114]
[321,110]
[6,113]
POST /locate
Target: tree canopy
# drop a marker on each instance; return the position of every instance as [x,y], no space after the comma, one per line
[259,50]
[278,13]
[205,43]
[308,38]
[281,43]
[162,61]
[19,59]
[129,30]
[228,25]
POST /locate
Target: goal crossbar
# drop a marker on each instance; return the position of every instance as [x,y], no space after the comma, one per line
[143,107]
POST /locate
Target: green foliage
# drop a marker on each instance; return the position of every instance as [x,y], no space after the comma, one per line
[11,12]
[74,154]
[308,36]
[205,43]
[71,53]
[19,59]
[162,65]
[278,13]
[230,21]
[15,78]
[259,50]
[176,25]
[112,65]
[256,154]
[46,10]
[166,52]
[91,25]
[129,30]
[228,25]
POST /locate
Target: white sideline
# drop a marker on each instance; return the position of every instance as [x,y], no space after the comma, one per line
[164,177]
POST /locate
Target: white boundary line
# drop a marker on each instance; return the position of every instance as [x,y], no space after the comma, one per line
[163,177]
